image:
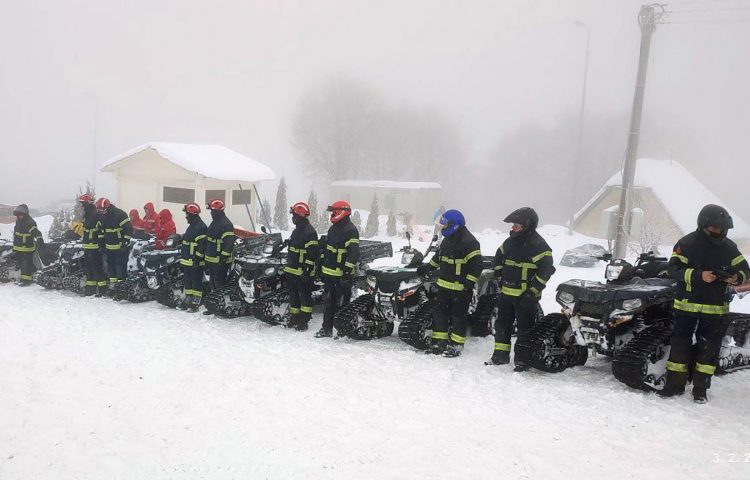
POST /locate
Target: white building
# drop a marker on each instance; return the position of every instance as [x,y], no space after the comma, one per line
[173,174]
[420,199]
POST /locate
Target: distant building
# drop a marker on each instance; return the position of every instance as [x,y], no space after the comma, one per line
[173,174]
[420,199]
[670,198]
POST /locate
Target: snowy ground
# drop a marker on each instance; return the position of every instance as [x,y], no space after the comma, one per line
[96,389]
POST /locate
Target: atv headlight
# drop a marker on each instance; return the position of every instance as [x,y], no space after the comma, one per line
[269,271]
[406,258]
[372,281]
[268,248]
[170,260]
[613,272]
[566,298]
[632,304]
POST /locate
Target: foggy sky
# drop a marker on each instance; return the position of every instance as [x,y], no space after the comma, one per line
[81,81]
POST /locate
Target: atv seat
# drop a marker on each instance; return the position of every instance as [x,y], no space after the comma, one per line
[395,275]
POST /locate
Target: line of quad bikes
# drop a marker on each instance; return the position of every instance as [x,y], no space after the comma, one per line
[627,318]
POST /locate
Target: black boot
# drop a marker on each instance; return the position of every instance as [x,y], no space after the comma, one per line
[324,333]
[437,347]
[293,320]
[303,320]
[675,384]
[453,350]
[89,290]
[499,357]
[700,394]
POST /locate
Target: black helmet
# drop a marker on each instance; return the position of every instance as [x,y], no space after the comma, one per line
[22,209]
[716,216]
[524,216]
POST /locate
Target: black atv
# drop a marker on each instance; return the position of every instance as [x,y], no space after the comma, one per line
[67,272]
[393,293]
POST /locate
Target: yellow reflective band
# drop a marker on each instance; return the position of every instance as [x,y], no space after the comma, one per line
[103,283]
[23,249]
[293,271]
[535,291]
[186,262]
[688,279]
[350,241]
[432,262]
[456,338]
[498,267]
[212,259]
[456,286]
[26,277]
[680,258]
[194,293]
[305,309]
[540,280]
[350,265]
[113,247]
[737,260]
[502,347]
[331,248]
[331,272]
[512,292]
[90,283]
[743,277]
[526,265]
[703,368]
[686,306]
[293,310]
[199,238]
[113,280]
[227,234]
[310,262]
[546,253]
[127,220]
[90,246]
[471,278]
[677,367]
[440,335]
[226,254]
[311,243]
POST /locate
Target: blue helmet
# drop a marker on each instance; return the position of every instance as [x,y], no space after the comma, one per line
[451,221]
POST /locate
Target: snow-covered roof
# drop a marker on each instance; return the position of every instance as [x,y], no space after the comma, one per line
[386,184]
[210,161]
[679,191]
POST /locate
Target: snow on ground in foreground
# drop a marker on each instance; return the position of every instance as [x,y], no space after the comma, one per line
[97,389]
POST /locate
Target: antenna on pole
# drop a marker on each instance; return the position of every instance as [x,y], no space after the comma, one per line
[648,17]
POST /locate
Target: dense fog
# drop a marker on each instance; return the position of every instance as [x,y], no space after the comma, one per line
[481,96]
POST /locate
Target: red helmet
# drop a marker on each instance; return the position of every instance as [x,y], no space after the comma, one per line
[301,209]
[86,198]
[339,209]
[103,204]
[192,208]
[216,205]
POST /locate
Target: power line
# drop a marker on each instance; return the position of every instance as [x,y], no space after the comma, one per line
[702,2]
[742,20]
[731,9]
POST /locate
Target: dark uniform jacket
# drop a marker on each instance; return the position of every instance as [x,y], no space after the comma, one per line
[692,255]
[25,235]
[193,247]
[341,251]
[92,238]
[303,250]
[117,229]
[459,260]
[524,263]
[220,240]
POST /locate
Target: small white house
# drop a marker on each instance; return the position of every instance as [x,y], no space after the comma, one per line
[420,199]
[173,174]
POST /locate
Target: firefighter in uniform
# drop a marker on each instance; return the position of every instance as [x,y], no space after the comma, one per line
[523,264]
[26,237]
[340,257]
[96,279]
[117,232]
[192,256]
[460,262]
[219,245]
[704,262]
[302,254]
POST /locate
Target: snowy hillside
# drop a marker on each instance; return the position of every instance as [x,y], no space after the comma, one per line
[96,389]
[43,223]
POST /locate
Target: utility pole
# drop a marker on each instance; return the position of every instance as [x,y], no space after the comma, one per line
[648,17]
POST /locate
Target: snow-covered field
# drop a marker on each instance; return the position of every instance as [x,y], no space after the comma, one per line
[95,389]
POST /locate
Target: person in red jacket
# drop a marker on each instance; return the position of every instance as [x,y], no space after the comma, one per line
[151,219]
[135,220]
[166,228]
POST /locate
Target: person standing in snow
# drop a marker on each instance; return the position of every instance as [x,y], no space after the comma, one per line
[523,264]
[166,228]
[192,258]
[117,233]
[704,262]
[26,238]
[219,245]
[303,253]
[96,279]
[340,257]
[459,259]
[150,222]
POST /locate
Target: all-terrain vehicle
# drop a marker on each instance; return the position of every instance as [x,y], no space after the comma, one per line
[67,271]
[392,294]
[629,318]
